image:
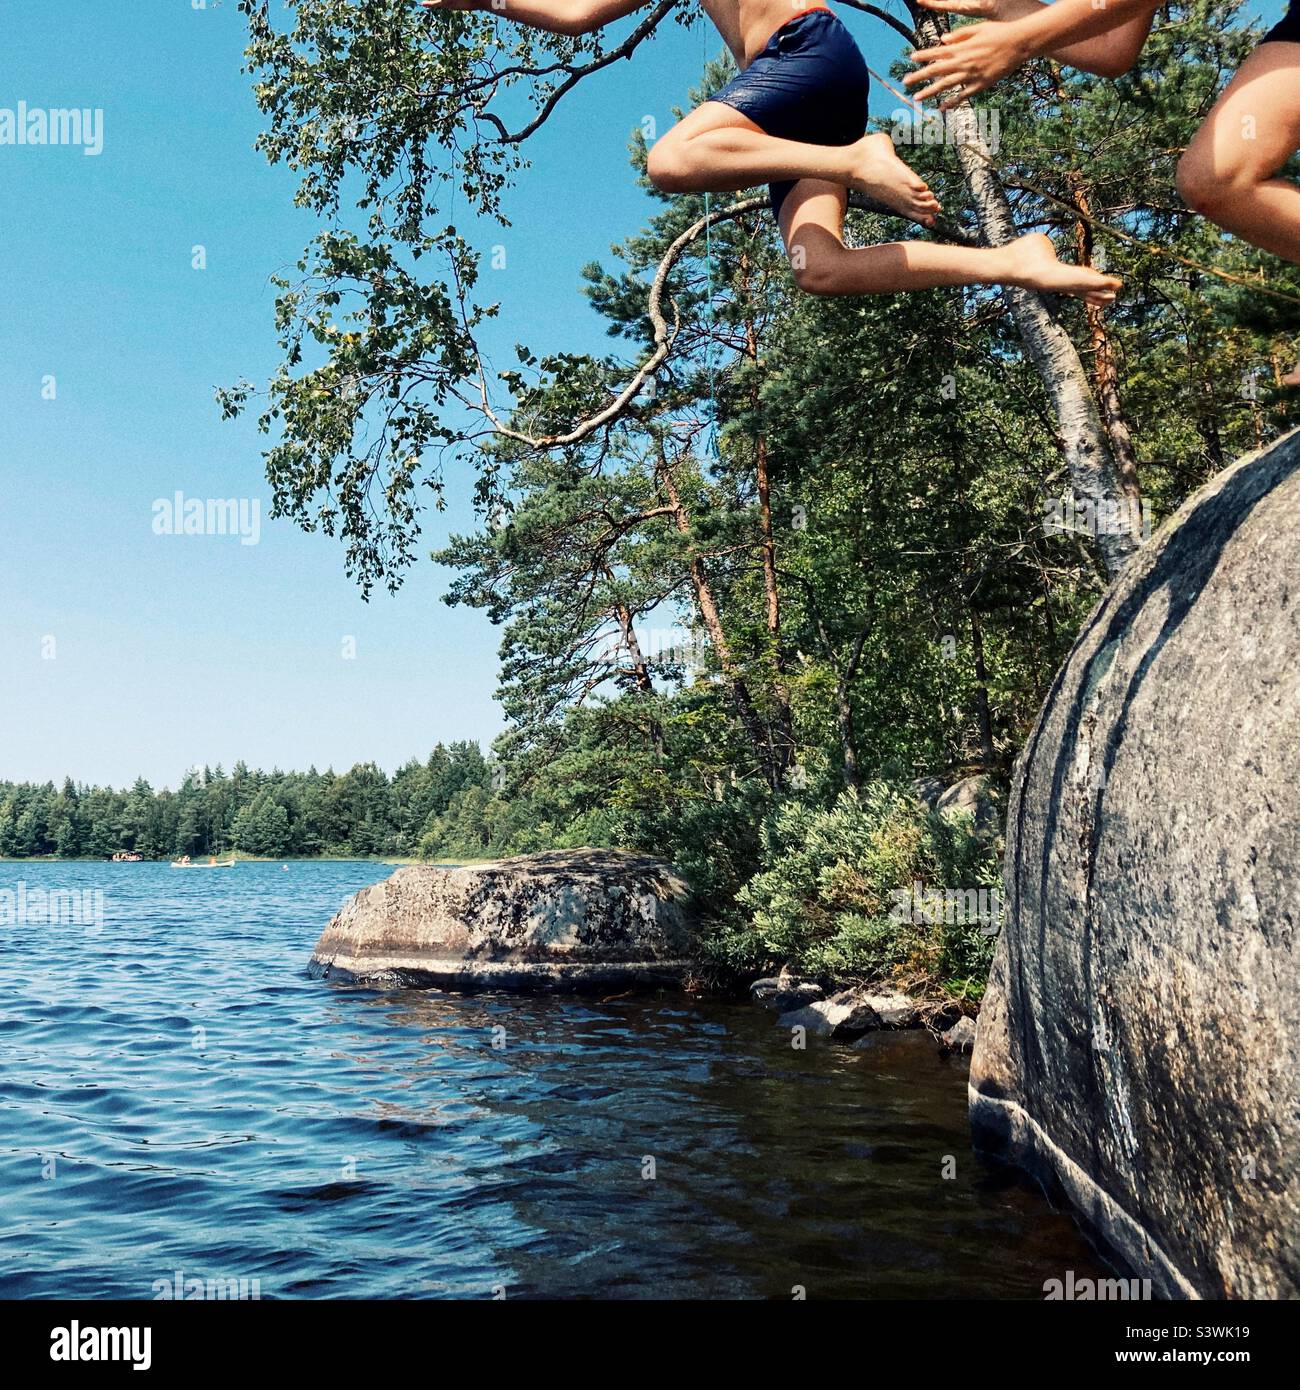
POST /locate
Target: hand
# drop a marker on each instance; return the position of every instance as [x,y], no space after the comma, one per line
[972,57]
[974,9]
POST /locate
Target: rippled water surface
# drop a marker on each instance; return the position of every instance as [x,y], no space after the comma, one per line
[177,1095]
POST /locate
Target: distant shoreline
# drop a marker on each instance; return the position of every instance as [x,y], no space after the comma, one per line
[223,857]
[397,861]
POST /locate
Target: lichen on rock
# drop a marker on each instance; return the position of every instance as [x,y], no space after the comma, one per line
[564,919]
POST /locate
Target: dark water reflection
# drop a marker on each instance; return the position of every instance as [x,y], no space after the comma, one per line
[208,1109]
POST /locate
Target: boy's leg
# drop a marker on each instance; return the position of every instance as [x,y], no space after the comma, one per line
[1253,129]
[718,150]
[812,224]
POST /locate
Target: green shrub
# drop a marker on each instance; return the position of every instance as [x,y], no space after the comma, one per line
[850,892]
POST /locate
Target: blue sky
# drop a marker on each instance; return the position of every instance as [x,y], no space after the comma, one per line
[174,651]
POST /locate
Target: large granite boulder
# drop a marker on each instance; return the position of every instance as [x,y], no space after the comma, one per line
[1139,1039]
[566,919]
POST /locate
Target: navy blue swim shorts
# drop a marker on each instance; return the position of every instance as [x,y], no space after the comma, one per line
[809,84]
[1287,29]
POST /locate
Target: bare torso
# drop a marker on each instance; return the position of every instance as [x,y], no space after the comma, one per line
[746,25]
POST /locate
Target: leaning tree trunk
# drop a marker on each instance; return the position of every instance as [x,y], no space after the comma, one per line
[1105,370]
[640,670]
[844,673]
[707,604]
[1083,441]
[784,753]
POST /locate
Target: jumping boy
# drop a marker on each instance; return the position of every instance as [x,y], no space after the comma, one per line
[795,118]
[1228,171]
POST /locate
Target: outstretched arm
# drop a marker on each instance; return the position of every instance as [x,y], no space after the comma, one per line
[1108,54]
[1101,36]
[555,16]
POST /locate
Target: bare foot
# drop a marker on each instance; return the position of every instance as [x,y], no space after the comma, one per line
[1032,264]
[878,172]
[1292,378]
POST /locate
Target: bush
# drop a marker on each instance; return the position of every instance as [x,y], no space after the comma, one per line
[874,888]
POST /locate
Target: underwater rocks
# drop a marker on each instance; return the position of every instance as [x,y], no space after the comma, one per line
[852,1012]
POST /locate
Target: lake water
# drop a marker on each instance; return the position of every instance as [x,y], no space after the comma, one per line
[177,1096]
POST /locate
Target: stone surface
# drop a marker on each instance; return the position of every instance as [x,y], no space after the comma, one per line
[569,919]
[819,1019]
[851,1013]
[892,1010]
[960,1038]
[979,797]
[784,992]
[928,790]
[1140,1034]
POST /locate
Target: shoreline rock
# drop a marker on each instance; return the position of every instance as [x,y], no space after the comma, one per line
[571,920]
[1140,1040]
[785,991]
[852,1012]
[959,1040]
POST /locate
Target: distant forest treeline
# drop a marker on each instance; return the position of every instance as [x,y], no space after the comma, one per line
[363,811]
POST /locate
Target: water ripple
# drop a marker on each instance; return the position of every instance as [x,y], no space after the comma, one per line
[179,1099]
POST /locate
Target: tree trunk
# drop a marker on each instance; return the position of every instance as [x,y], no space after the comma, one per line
[1205,407]
[983,711]
[640,671]
[1106,377]
[844,715]
[1105,372]
[844,673]
[848,740]
[1092,470]
[708,609]
[784,752]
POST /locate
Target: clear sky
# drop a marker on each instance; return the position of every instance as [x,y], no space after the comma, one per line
[123,652]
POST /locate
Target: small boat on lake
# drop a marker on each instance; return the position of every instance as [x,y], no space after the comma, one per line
[184,863]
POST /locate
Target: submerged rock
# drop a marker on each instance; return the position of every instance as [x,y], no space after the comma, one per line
[785,992]
[565,919]
[1140,1037]
[960,1038]
[853,1012]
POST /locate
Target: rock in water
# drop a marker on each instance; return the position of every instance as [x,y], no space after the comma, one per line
[563,920]
[851,1013]
[1139,1038]
[960,1038]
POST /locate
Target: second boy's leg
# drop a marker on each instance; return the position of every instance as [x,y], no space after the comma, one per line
[1228,171]
[812,225]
